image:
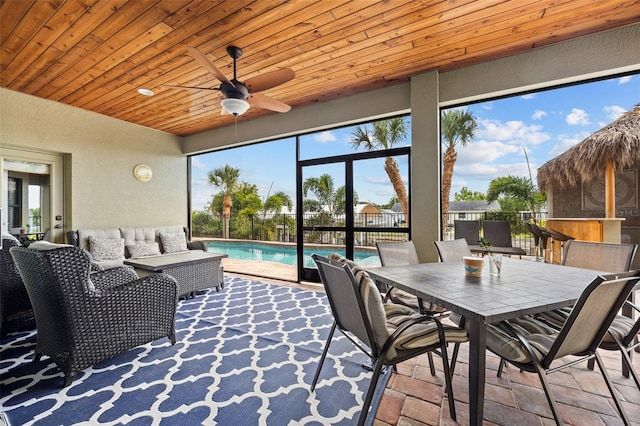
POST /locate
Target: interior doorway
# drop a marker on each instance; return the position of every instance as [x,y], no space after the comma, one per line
[32,193]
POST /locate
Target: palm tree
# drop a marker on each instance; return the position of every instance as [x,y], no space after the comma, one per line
[225,178]
[276,201]
[521,190]
[324,190]
[384,135]
[458,127]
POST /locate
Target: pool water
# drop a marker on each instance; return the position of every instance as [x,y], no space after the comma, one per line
[282,254]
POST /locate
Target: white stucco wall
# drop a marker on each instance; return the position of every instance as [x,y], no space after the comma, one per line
[100,155]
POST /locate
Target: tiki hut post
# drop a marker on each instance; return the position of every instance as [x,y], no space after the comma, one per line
[610,190]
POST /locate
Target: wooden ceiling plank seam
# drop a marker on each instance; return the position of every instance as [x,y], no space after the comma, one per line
[152,62]
[338,29]
[41,50]
[77,36]
[11,13]
[104,54]
[332,43]
[452,34]
[552,17]
[83,53]
[189,12]
[24,31]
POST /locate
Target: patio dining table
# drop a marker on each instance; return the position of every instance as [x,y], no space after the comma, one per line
[523,287]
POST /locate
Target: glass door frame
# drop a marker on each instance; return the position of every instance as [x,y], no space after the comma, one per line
[349,229]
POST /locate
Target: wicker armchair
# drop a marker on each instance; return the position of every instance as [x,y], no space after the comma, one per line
[15,305]
[82,321]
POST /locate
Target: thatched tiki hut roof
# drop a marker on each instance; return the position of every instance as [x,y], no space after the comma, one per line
[614,147]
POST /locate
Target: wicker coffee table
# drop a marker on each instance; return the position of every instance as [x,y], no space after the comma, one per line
[194,269]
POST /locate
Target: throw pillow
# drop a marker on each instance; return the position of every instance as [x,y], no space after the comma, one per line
[143,249]
[102,249]
[173,242]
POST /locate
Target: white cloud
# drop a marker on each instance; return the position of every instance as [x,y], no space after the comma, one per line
[528,96]
[577,117]
[196,163]
[625,79]
[538,114]
[512,132]
[482,152]
[614,112]
[324,137]
[564,142]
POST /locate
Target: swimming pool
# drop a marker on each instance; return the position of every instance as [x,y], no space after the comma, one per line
[286,254]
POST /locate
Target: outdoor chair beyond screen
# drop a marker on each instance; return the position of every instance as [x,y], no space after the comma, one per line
[387,333]
[530,346]
[82,321]
[470,231]
[540,239]
[606,257]
[498,233]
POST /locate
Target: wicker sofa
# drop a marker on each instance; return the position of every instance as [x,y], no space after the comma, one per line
[126,238]
[153,249]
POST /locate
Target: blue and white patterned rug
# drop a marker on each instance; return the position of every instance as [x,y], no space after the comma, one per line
[244,356]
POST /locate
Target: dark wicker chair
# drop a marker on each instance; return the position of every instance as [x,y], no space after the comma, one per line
[470,231]
[17,314]
[498,233]
[82,321]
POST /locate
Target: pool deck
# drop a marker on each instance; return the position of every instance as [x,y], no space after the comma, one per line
[258,268]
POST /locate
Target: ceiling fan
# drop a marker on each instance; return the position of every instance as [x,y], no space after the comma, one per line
[236,94]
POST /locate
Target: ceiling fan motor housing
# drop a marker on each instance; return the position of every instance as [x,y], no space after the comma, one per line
[240,91]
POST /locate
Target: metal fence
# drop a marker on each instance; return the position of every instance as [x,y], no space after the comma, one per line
[283,227]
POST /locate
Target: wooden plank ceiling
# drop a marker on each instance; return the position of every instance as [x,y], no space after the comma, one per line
[95,54]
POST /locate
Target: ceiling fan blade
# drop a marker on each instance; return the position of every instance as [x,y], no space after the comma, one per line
[269,80]
[263,101]
[169,86]
[205,62]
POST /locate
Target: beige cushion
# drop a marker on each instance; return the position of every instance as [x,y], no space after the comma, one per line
[174,242]
[102,249]
[143,249]
[85,233]
[46,245]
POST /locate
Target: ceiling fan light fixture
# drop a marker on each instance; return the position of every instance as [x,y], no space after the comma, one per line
[234,106]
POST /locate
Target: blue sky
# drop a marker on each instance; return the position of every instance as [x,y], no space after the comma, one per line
[545,124]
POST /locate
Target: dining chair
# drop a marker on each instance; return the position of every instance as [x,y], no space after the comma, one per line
[387,333]
[400,253]
[606,257]
[452,250]
[532,346]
